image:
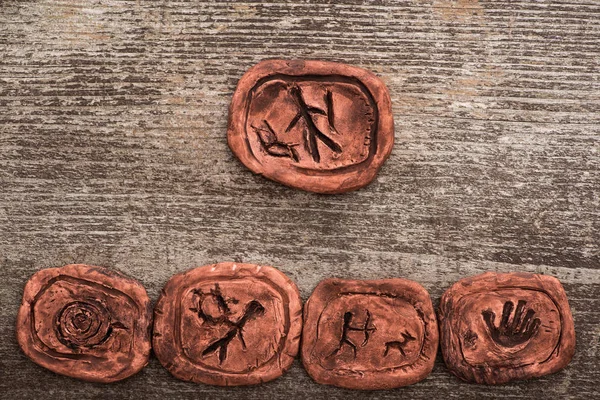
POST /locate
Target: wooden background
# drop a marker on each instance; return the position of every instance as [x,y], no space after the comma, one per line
[113,152]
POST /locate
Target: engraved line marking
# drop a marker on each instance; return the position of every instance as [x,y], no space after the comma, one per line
[330,115]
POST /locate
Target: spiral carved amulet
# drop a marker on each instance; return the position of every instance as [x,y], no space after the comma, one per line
[369,335]
[318,126]
[228,324]
[85,322]
[497,328]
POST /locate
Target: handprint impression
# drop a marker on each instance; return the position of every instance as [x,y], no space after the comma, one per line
[515,332]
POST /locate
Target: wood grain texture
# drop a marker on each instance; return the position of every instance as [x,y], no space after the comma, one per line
[113,152]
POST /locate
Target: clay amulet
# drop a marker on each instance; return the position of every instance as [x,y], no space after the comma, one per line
[369,335]
[313,125]
[228,324]
[497,328]
[85,322]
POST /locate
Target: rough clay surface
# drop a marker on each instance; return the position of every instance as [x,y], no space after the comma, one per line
[496,328]
[113,152]
[318,126]
[228,324]
[369,334]
[85,322]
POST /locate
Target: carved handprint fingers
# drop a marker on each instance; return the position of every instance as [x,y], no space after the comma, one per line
[520,323]
[506,312]
[477,347]
[518,314]
[513,332]
[490,317]
[528,325]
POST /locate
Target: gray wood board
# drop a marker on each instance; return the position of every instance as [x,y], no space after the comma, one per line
[113,152]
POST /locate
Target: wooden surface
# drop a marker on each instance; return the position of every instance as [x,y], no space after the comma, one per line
[113,152]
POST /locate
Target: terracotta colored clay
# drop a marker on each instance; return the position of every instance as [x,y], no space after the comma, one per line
[369,335]
[86,322]
[496,328]
[314,125]
[228,324]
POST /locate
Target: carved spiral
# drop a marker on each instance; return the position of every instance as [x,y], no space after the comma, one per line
[87,322]
[83,324]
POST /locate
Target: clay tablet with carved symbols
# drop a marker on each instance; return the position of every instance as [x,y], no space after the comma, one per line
[85,322]
[313,125]
[228,324]
[496,328]
[369,335]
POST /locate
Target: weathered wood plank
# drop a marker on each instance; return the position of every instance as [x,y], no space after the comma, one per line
[113,152]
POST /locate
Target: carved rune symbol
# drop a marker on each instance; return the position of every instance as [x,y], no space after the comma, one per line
[367,329]
[399,344]
[312,133]
[274,147]
[515,332]
[251,311]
